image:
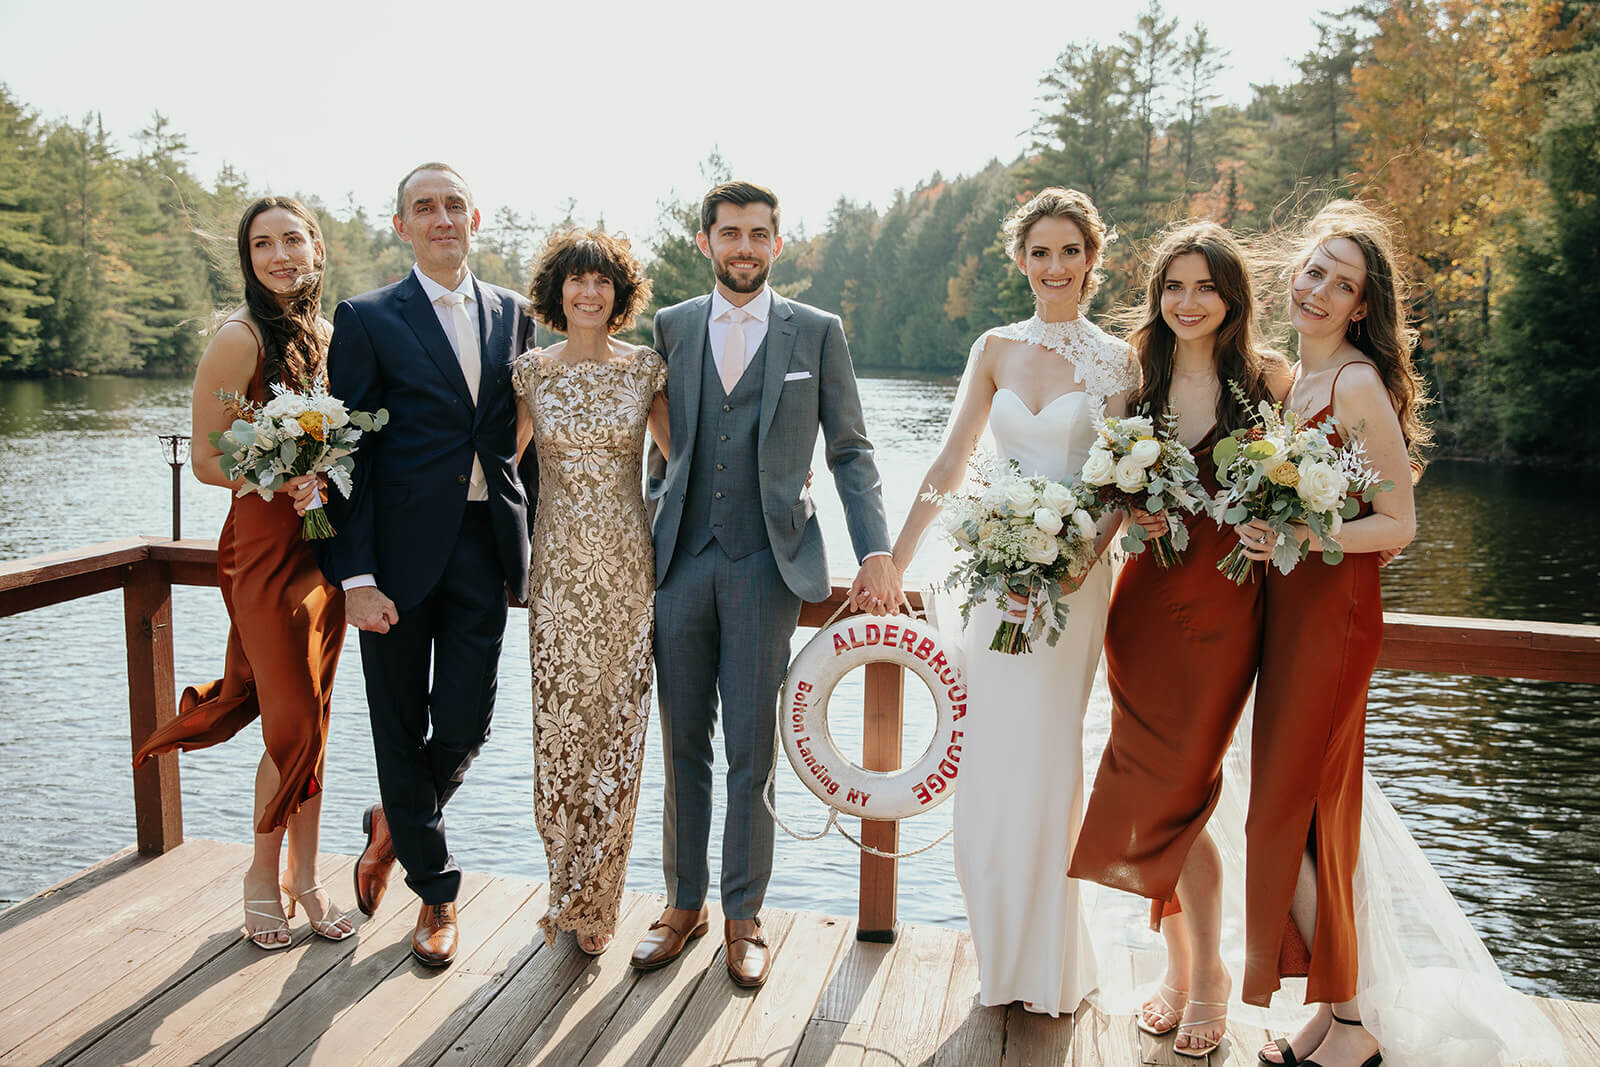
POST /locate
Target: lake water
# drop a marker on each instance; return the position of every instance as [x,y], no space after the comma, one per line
[1495,778]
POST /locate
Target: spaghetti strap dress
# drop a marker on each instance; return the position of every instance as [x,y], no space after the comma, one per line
[286,629]
[1182,647]
[1323,631]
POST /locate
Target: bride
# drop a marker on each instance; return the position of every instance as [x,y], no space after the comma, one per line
[1034,386]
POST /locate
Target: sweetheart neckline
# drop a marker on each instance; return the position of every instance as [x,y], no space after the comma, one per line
[1048,404]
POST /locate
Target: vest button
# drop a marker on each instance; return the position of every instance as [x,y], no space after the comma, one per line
[720,467]
[718,494]
[727,407]
[722,437]
[461,479]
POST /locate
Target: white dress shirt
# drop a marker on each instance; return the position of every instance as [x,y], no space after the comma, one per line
[758,309]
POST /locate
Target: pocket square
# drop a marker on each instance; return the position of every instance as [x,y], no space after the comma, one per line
[797,376]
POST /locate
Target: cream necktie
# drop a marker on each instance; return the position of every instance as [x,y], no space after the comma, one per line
[733,348]
[472,368]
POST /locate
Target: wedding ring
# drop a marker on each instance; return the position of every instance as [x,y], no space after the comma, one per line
[1261,540]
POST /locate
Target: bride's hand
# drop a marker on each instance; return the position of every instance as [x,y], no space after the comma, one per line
[1155,524]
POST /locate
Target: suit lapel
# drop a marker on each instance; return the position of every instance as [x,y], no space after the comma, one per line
[419,315]
[693,368]
[780,346]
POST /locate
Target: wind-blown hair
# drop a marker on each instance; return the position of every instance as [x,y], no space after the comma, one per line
[1239,351]
[1385,334]
[294,351]
[576,251]
[1067,204]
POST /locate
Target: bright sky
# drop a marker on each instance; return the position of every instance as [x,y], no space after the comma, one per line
[611,104]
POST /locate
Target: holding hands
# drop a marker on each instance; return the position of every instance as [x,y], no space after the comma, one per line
[878,588]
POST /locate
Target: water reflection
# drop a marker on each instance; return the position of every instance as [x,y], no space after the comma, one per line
[1495,778]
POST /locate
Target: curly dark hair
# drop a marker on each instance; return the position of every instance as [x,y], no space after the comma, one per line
[569,252]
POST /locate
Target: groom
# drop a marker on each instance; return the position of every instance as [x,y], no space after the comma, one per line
[752,378]
[434,534]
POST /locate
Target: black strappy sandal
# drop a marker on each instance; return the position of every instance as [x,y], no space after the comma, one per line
[1371,1061]
[1285,1050]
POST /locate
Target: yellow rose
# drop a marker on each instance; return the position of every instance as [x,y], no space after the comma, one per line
[311,423]
[1286,474]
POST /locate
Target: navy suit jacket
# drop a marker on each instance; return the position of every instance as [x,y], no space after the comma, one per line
[403,516]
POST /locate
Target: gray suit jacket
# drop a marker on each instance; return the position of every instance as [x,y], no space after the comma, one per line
[809,384]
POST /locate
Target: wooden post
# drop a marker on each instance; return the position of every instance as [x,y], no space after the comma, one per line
[880,751]
[147,618]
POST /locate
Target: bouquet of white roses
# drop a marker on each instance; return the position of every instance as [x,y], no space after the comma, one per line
[1023,536]
[291,435]
[1137,463]
[1283,471]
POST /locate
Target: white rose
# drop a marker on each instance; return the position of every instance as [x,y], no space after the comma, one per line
[1038,546]
[1321,487]
[1130,475]
[1084,523]
[1137,426]
[1058,498]
[994,498]
[1100,468]
[1146,450]
[1048,520]
[1021,498]
[331,410]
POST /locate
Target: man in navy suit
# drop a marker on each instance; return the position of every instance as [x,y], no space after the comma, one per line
[434,534]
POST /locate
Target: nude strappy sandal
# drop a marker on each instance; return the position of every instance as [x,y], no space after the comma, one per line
[1198,1048]
[255,937]
[1164,1014]
[328,926]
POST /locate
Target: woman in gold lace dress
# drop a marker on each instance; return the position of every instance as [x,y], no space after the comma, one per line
[587,402]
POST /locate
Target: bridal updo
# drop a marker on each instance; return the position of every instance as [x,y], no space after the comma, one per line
[1067,204]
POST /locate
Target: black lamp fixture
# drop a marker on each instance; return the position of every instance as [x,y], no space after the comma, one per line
[175,449]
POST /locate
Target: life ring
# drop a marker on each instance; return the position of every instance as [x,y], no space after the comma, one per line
[830,655]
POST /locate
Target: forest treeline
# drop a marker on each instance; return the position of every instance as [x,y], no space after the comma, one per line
[1477,122]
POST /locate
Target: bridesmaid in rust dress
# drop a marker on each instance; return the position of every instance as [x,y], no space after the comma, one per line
[1324,627]
[1183,642]
[287,621]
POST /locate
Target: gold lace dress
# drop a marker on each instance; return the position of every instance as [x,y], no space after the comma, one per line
[590,613]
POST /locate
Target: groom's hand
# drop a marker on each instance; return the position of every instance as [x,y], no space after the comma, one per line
[877,587]
[367,609]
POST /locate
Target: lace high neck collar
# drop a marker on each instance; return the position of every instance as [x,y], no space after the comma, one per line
[1059,336]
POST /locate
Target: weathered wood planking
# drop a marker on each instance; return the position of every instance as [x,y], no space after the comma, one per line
[146,966]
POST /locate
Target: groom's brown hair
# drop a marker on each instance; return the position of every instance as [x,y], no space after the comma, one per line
[738,194]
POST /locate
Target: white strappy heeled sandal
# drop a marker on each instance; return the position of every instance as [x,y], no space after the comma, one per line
[1168,1013]
[328,926]
[1201,1046]
[255,937]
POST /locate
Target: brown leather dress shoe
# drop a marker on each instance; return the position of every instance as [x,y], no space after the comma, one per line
[434,940]
[666,940]
[749,959]
[376,861]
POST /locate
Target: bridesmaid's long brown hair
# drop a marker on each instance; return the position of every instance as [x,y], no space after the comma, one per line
[294,351]
[1240,350]
[1385,334]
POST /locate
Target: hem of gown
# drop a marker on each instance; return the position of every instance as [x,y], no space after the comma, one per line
[988,1001]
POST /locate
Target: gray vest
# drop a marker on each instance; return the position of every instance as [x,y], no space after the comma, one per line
[723,498]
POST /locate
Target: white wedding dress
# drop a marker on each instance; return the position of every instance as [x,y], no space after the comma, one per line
[1021,795]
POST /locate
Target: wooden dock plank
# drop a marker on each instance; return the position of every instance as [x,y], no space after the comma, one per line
[1101,1040]
[1035,1040]
[969,1033]
[317,1025]
[469,986]
[202,1014]
[387,983]
[1579,1024]
[571,1027]
[771,1032]
[842,1021]
[715,1012]
[907,1027]
[1240,1047]
[644,1020]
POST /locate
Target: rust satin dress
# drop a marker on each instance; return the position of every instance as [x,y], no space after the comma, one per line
[286,630]
[1182,647]
[1324,628]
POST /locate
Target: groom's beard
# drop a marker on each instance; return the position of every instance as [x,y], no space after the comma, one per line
[749,283]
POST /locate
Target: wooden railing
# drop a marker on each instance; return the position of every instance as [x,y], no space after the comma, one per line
[146,569]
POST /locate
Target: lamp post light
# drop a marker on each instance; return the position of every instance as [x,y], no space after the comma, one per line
[175,448]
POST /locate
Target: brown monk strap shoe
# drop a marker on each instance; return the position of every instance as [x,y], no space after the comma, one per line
[668,936]
[749,959]
[376,861]
[434,940]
